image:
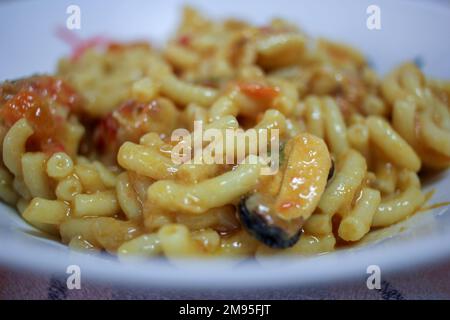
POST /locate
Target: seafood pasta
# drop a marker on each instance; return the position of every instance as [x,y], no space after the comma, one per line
[87,153]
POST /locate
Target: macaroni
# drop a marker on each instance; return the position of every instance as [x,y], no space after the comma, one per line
[87,153]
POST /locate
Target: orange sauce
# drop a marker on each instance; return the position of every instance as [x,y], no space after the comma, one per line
[31,99]
[258,91]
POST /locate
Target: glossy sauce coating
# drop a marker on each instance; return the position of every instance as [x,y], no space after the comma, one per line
[305,177]
[36,100]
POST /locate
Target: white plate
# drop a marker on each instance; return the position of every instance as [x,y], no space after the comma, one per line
[410,30]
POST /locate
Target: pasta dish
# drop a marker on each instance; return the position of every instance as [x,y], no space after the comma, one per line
[87,154]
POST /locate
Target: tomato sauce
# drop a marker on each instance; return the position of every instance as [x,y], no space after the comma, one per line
[258,91]
[127,123]
[105,133]
[32,99]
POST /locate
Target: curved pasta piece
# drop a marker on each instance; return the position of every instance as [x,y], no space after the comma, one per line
[101,232]
[102,204]
[176,241]
[46,211]
[224,106]
[127,197]
[144,246]
[392,144]
[14,145]
[146,161]
[307,245]
[435,137]
[280,50]
[208,194]
[59,165]
[358,221]
[358,138]
[335,128]
[68,188]
[185,93]
[7,192]
[404,120]
[351,170]
[314,117]
[393,210]
[35,175]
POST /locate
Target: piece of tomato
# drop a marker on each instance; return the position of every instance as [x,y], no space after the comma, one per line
[259,91]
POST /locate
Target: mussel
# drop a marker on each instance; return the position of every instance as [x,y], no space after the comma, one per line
[277,220]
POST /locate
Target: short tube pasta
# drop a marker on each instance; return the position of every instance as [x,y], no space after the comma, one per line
[127,197]
[314,116]
[392,144]
[208,194]
[350,173]
[146,161]
[59,165]
[144,246]
[46,211]
[68,188]
[14,145]
[335,128]
[185,93]
[402,205]
[103,203]
[176,241]
[7,193]
[358,221]
[35,176]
